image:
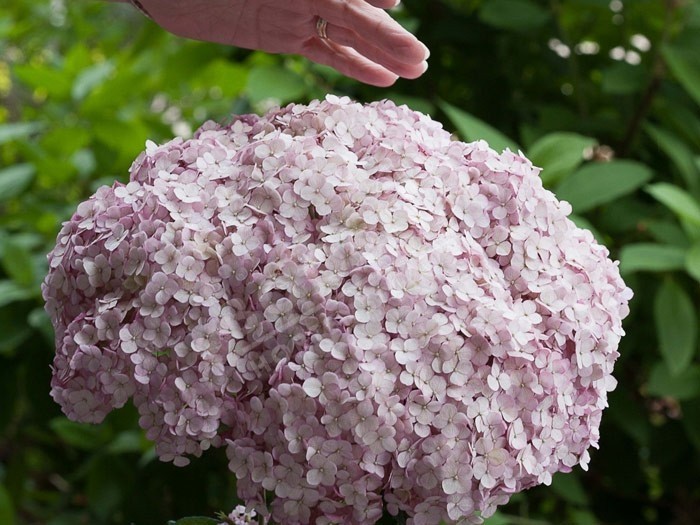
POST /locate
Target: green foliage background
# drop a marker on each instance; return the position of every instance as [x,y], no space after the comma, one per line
[605,96]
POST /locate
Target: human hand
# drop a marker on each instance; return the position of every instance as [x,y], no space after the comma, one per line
[362,42]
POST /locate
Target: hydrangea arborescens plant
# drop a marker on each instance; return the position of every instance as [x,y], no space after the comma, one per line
[367,314]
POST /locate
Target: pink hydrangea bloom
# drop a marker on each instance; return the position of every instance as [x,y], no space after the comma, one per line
[368,315]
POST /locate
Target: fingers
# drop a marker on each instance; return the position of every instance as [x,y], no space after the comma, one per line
[373,25]
[348,38]
[348,61]
[384,4]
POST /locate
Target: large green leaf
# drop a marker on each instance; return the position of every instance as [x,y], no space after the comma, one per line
[79,435]
[275,83]
[692,261]
[667,232]
[10,292]
[684,63]
[514,15]
[129,441]
[569,487]
[599,183]
[52,80]
[17,262]
[582,517]
[229,77]
[15,180]
[676,326]
[127,138]
[18,130]
[39,320]
[651,257]
[685,385]
[677,200]
[497,519]
[559,154]
[90,78]
[678,152]
[471,128]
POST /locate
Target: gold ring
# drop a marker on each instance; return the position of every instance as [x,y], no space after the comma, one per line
[321,25]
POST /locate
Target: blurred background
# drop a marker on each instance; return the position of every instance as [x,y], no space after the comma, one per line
[604,95]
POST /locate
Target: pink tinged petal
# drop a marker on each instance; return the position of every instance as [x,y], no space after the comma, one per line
[313,387]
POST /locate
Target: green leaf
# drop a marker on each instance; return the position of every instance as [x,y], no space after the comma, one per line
[692,261]
[54,81]
[582,517]
[623,79]
[559,154]
[127,138]
[84,161]
[683,386]
[678,152]
[667,232]
[39,320]
[651,257]
[677,115]
[17,262]
[18,130]
[599,183]
[64,140]
[497,519]
[78,435]
[7,509]
[684,63]
[471,128]
[231,78]
[128,441]
[15,180]
[90,78]
[677,200]
[676,326]
[569,487]
[514,15]
[11,292]
[194,520]
[274,82]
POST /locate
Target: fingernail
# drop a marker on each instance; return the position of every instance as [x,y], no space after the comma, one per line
[396,3]
[427,51]
[424,66]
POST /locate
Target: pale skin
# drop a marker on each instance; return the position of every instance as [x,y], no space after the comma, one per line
[363,42]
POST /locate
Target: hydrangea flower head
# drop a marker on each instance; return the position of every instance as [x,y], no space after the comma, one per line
[369,316]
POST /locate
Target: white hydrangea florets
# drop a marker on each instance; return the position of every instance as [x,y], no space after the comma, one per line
[368,315]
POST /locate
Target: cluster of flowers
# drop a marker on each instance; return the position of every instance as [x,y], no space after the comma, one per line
[369,315]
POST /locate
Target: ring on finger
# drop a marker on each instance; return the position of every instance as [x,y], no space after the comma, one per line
[321,28]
